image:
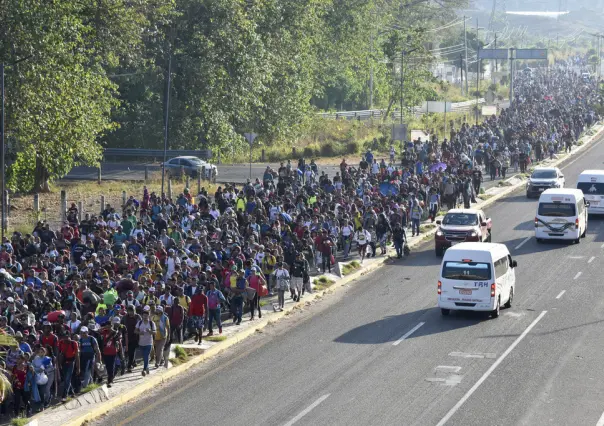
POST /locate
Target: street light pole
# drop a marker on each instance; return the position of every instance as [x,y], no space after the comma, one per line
[2,148]
[166,117]
[402,78]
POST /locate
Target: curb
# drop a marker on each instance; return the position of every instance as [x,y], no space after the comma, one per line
[160,378]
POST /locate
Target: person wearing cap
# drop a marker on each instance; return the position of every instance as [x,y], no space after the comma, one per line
[130,300]
[162,335]
[89,349]
[282,278]
[215,298]
[150,297]
[129,321]
[42,364]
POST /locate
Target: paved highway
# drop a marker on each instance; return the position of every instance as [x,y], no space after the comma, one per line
[381,353]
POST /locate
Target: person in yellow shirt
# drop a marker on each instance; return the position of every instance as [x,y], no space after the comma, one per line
[162,335]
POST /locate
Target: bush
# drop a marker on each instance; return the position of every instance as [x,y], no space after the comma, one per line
[328,150]
[311,151]
[352,147]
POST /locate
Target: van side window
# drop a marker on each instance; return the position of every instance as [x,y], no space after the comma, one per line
[501,267]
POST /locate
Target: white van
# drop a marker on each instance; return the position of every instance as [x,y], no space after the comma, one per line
[561,215]
[476,277]
[591,182]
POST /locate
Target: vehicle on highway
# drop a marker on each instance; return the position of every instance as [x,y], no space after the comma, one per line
[191,166]
[477,277]
[591,182]
[542,179]
[561,215]
[461,225]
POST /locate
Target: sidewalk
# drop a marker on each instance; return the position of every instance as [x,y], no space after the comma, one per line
[89,406]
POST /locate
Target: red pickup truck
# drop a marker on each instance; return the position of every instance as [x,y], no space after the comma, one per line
[461,225]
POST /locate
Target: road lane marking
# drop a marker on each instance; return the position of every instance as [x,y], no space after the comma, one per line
[602,246]
[307,410]
[578,275]
[409,333]
[576,257]
[601,421]
[561,294]
[523,242]
[447,369]
[591,259]
[486,375]
[473,355]
[452,380]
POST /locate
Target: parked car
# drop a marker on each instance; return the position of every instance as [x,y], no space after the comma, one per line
[191,166]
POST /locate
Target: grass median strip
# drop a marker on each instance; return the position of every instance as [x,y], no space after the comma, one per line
[349,268]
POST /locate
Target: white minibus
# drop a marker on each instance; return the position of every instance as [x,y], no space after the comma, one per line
[561,215]
[476,277]
[591,182]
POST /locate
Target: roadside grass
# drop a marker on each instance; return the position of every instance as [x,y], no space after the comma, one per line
[348,268]
[485,196]
[215,338]
[181,356]
[263,302]
[427,227]
[91,387]
[322,283]
[20,421]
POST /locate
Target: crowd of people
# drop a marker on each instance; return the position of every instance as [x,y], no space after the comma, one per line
[113,291]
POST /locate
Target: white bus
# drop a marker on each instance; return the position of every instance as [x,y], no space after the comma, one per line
[591,182]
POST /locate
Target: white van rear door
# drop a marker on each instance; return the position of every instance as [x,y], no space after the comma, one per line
[466,281]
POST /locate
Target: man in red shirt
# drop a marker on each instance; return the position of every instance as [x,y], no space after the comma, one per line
[69,358]
[49,340]
[197,310]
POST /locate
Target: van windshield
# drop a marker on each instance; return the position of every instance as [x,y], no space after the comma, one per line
[591,188]
[556,209]
[466,271]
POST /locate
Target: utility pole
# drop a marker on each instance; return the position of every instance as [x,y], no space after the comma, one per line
[478,64]
[402,81]
[465,42]
[166,117]
[371,71]
[511,75]
[2,147]
[496,62]
[461,71]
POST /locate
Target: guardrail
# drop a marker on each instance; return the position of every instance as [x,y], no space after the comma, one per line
[378,113]
[155,153]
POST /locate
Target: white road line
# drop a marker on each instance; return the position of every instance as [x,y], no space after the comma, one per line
[522,243]
[601,421]
[486,375]
[409,333]
[591,259]
[561,294]
[602,246]
[307,410]
[578,275]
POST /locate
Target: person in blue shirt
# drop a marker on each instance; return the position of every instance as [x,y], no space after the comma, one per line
[369,157]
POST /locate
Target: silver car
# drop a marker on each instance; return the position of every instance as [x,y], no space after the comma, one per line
[191,166]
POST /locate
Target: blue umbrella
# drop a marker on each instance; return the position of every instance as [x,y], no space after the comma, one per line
[437,167]
[387,189]
[286,217]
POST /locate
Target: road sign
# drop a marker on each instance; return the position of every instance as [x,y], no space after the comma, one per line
[531,53]
[493,54]
[250,137]
[436,106]
[399,132]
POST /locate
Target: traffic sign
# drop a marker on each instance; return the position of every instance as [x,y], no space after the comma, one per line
[250,137]
[531,54]
[493,53]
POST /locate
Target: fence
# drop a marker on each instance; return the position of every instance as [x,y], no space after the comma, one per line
[370,114]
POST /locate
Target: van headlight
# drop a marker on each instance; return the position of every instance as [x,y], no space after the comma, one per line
[439,233]
[473,234]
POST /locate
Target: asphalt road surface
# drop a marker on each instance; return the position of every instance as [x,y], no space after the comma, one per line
[380,353]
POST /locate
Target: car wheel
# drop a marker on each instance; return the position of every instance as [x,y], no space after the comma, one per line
[508,304]
[539,240]
[584,233]
[577,241]
[445,312]
[528,195]
[439,251]
[495,313]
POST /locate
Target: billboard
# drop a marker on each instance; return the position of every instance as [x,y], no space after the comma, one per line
[436,106]
[493,54]
[531,53]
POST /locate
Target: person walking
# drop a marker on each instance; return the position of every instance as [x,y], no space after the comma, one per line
[145,329]
[398,237]
[257,282]
[282,280]
[197,312]
[129,321]
[215,298]
[162,334]
[363,238]
[89,348]
[69,360]
[43,367]
[111,343]
[297,271]
[416,215]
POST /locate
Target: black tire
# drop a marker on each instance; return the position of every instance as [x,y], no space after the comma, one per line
[439,251]
[495,312]
[584,234]
[539,240]
[445,312]
[528,195]
[508,304]
[577,241]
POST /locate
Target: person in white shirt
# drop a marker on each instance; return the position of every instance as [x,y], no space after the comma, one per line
[214,212]
[363,238]
[171,263]
[347,231]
